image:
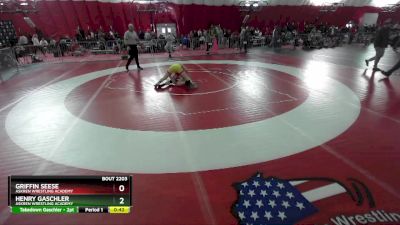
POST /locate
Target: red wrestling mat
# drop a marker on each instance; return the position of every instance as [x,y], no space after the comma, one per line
[362,161]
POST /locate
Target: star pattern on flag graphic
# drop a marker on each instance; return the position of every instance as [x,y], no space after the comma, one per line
[263,201]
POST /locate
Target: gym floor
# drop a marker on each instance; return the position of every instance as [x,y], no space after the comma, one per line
[294,115]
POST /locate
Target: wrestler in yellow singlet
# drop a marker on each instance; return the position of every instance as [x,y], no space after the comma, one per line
[177,76]
[175,68]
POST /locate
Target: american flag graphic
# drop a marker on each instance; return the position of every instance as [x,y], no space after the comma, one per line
[275,201]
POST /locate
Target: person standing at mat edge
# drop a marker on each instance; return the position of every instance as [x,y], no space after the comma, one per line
[131,40]
[380,43]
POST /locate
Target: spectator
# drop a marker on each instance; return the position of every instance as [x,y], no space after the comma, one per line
[141,35]
[208,37]
[80,34]
[169,46]
[219,34]
[275,37]
[185,41]
[227,35]
[202,39]
[92,36]
[53,42]
[101,35]
[44,43]
[195,40]
[153,35]
[247,37]
[63,45]
[191,37]
[242,36]
[23,40]
[147,36]
[39,33]
[36,44]
[112,33]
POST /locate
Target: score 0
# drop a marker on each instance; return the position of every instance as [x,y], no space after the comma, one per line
[121,188]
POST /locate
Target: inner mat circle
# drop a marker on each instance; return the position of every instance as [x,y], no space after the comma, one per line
[227,95]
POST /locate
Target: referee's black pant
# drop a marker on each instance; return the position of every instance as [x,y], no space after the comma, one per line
[133,53]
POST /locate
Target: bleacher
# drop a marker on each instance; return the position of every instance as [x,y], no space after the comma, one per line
[7,33]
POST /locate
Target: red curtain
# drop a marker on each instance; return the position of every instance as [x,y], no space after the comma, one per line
[57,18]
[395,16]
[269,16]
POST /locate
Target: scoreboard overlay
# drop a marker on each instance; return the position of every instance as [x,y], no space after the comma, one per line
[69,194]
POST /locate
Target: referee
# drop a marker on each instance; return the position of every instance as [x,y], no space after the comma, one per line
[131,40]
